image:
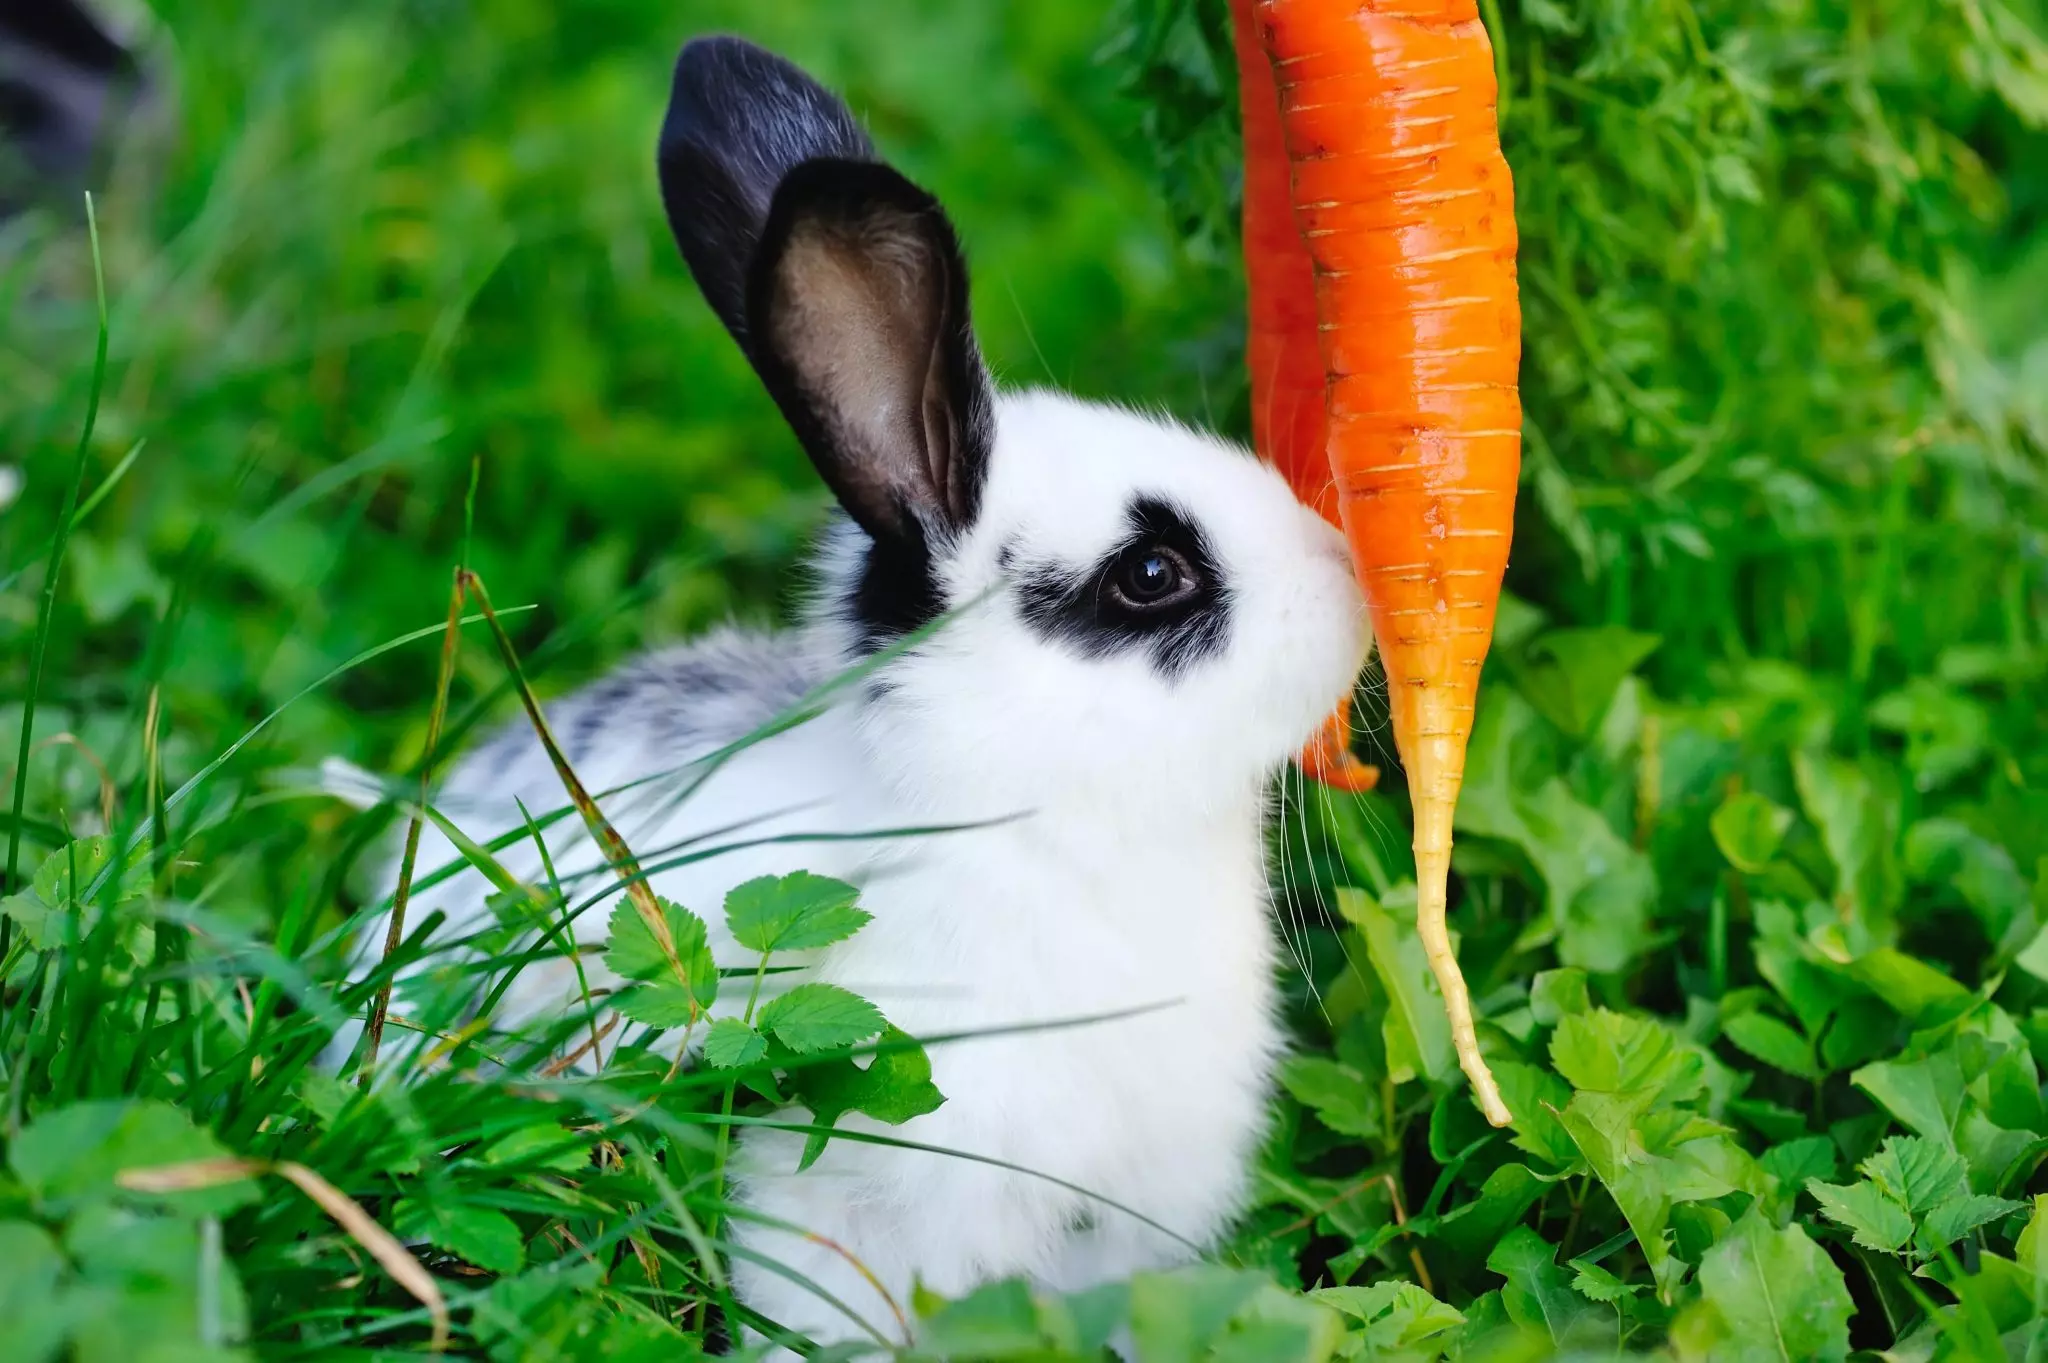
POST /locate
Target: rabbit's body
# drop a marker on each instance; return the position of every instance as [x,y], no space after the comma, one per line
[1144,625]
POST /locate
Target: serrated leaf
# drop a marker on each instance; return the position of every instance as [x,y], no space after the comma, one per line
[489,1239]
[1597,1284]
[1793,1162]
[895,1087]
[820,1017]
[1397,1316]
[1778,1296]
[1340,1096]
[52,898]
[1871,1215]
[1602,1126]
[1762,1037]
[1917,1172]
[1534,1097]
[798,912]
[669,993]
[1609,1052]
[731,1044]
[1958,1216]
[658,1003]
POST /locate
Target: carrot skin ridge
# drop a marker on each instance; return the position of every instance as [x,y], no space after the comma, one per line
[1405,207]
[1283,349]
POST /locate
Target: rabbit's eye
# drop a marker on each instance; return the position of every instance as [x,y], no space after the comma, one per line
[1152,576]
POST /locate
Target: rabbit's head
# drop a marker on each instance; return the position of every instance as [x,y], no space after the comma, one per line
[1143,612]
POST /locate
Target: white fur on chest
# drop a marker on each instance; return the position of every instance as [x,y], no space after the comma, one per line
[1045,918]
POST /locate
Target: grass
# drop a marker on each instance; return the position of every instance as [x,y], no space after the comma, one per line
[1752,880]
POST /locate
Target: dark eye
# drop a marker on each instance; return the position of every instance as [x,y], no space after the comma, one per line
[1151,576]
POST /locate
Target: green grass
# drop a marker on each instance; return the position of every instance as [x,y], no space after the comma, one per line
[1752,880]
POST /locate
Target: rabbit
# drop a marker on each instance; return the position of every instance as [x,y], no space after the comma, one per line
[1141,625]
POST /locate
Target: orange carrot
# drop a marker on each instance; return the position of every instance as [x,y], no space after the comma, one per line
[1282,350]
[1405,204]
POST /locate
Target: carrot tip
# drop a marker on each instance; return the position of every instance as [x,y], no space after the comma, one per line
[1328,757]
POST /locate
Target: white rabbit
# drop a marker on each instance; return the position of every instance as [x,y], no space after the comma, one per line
[1149,626]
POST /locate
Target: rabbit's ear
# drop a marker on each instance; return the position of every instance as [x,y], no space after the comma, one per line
[858,309]
[739,118]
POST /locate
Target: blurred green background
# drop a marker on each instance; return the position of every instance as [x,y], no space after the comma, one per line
[381,240]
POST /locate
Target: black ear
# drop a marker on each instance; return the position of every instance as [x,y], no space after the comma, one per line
[857,305]
[739,118]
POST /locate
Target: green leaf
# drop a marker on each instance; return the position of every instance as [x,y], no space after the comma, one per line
[664,998]
[1924,1095]
[1857,824]
[36,1315]
[1595,1283]
[1602,1126]
[52,898]
[141,1279]
[1946,730]
[820,1017]
[489,1239]
[1476,1224]
[2031,1252]
[1553,994]
[543,1145]
[1778,1296]
[895,1087]
[796,912]
[1907,986]
[1764,1038]
[1868,1212]
[1918,1173]
[1610,1052]
[1534,1097]
[998,1320]
[1571,675]
[1341,1097]
[1958,1216]
[1225,1315]
[1749,830]
[74,1154]
[731,1044]
[1793,1162]
[1536,1295]
[1417,1031]
[1398,1317]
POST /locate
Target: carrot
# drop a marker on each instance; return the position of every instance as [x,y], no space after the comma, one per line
[1282,349]
[1406,209]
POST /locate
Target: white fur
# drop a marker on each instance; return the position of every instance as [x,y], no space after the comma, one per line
[1132,872]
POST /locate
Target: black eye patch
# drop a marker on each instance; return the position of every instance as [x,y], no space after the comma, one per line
[1159,591]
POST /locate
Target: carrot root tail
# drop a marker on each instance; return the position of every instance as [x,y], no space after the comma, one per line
[1432,927]
[1436,768]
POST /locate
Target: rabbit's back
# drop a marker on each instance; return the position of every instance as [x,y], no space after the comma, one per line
[671,705]
[638,739]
